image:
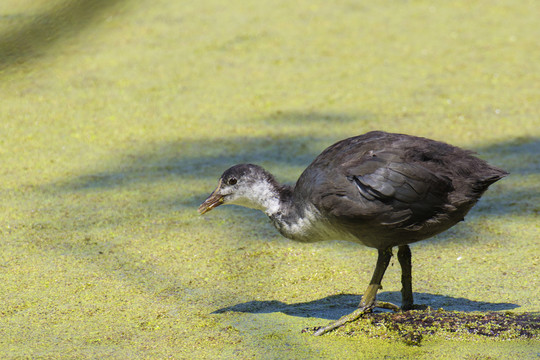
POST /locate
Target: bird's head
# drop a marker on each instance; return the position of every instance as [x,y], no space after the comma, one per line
[245,185]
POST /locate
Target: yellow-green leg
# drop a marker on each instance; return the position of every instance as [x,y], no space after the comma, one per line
[368,299]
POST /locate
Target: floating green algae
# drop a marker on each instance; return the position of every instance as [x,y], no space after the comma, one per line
[117,118]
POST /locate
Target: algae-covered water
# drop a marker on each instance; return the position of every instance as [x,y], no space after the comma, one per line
[117,118]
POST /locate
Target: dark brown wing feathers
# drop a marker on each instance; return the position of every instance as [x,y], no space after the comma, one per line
[394,180]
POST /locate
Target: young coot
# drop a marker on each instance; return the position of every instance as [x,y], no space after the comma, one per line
[378,189]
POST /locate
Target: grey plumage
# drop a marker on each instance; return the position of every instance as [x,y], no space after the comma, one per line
[379,189]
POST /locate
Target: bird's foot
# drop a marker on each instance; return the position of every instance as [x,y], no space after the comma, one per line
[355,315]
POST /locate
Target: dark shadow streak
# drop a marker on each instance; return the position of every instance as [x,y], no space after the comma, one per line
[207,159]
[335,306]
[204,160]
[517,148]
[24,42]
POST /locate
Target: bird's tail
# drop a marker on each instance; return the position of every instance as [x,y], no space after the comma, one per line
[491,175]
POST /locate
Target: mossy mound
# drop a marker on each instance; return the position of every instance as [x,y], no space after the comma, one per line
[412,326]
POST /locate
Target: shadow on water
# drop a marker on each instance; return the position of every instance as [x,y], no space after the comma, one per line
[206,159]
[203,159]
[520,154]
[32,35]
[335,306]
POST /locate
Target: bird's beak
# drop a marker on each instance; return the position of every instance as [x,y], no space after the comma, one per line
[215,199]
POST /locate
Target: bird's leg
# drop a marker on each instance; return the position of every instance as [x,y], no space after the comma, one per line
[368,299]
[404,258]
[407,302]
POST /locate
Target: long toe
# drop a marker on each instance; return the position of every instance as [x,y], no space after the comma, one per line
[386,305]
[355,315]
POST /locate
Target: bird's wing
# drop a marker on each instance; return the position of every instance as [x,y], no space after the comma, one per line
[383,189]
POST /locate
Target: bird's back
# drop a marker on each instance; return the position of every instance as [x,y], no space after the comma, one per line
[391,189]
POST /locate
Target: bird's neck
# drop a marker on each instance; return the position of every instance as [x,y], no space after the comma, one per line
[274,199]
[290,214]
[292,217]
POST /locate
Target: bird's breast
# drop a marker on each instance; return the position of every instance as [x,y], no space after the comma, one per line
[310,227]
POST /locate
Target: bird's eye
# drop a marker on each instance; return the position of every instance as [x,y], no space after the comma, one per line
[232,181]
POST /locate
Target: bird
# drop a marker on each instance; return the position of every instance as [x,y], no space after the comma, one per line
[379,189]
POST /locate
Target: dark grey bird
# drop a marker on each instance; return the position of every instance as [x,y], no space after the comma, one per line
[379,189]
